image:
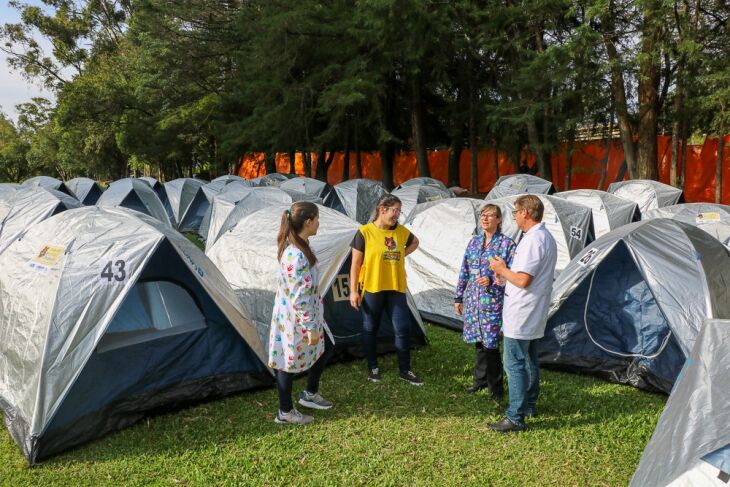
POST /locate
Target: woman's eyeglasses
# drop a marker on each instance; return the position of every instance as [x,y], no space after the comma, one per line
[393,209]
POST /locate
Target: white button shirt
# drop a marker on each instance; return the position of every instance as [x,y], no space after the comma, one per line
[525,311]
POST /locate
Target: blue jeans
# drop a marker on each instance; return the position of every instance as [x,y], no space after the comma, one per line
[523,374]
[374,306]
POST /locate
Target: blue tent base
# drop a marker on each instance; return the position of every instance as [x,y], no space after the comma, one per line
[132,409]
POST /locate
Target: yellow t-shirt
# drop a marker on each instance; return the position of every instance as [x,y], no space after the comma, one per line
[383,267]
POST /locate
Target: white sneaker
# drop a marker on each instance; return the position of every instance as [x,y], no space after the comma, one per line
[314,401]
[293,417]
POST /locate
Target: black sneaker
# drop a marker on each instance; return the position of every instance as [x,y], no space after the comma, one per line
[410,377]
[374,375]
[506,426]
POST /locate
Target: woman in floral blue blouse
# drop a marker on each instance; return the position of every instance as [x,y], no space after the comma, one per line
[479,297]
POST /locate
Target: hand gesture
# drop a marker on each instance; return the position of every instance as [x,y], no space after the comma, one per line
[497,264]
[483,281]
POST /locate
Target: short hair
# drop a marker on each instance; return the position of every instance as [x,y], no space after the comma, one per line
[497,211]
[532,204]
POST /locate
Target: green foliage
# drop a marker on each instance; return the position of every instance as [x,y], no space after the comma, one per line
[589,432]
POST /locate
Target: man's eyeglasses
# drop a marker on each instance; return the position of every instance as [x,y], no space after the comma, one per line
[514,212]
[396,211]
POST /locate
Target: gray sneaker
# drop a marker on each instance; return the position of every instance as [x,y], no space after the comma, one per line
[374,375]
[292,417]
[314,401]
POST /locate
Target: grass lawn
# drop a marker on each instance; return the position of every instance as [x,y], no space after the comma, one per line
[589,432]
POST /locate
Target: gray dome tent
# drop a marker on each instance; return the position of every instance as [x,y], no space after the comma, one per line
[515,184]
[28,206]
[159,190]
[569,223]
[273,179]
[712,218]
[410,196]
[220,207]
[309,186]
[86,190]
[188,202]
[691,443]
[648,194]
[246,255]
[106,316]
[609,211]
[433,269]
[8,189]
[247,201]
[628,307]
[135,195]
[229,178]
[420,181]
[48,182]
[356,198]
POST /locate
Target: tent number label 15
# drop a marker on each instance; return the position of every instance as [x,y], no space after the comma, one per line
[114,271]
[341,288]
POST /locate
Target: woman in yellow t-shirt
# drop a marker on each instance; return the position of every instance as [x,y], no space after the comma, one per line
[379,276]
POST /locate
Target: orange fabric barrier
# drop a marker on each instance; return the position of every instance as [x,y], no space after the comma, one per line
[587,162]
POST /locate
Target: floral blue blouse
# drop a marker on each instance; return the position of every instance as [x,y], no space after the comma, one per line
[483,307]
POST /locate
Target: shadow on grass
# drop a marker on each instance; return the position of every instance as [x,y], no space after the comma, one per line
[566,401]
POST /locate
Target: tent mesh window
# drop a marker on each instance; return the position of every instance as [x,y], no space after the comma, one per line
[152,310]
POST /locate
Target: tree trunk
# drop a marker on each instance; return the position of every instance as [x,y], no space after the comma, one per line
[454,157]
[417,127]
[649,73]
[387,153]
[358,163]
[346,158]
[534,138]
[718,167]
[292,162]
[270,161]
[683,160]
[307,155]
[619,90]
[570,150]
[495,161]
[320,171]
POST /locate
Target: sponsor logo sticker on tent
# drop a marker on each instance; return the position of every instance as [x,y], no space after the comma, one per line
[48,256]
[710,217]
[588,257]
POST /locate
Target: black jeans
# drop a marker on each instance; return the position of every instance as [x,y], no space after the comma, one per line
[488,370]
[373,307]
[285,380]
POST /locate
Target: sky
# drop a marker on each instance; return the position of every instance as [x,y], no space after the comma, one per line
[15,89]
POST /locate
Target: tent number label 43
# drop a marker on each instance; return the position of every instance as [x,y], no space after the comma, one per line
[114,271]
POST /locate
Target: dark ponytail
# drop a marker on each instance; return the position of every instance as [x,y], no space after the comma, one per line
[292,221]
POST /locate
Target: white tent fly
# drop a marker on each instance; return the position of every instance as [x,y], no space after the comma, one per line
[710,217]
[515,184]
[8,189]
[48,182]
[569,223]
[135,195]
[646,193]
[356,198]
[609,211]
[187,201]
[28,206]
[628,308]
[691,443]
[105,316]
[247,257]
[444,229]
[419,181]
[273,179]
[310,186]
[86,190]
[232,207]
[410,196]
[229,178]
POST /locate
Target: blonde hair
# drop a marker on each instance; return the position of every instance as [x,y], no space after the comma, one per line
[532,204]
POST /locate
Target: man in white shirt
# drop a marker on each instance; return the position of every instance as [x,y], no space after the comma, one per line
[524,315]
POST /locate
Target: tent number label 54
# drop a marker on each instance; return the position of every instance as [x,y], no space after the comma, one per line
[114,271]
[576,233]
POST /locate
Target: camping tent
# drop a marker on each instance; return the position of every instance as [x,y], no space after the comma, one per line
[246,255]
[8,189]
[356,198]
[410,196]
[48,182]
[569,223]
[188,202]
[310,186]
[230,178]
[691,443]
[646,193]
[433,269]
[232,206]
[609,211]
[159,190]
[86,190]
[515,184]
[420,181]
[273,179]
[27,206]
[105,316]
[712,218]
[135,195]
[629,306]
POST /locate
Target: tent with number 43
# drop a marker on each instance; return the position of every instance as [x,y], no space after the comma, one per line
[105,316]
